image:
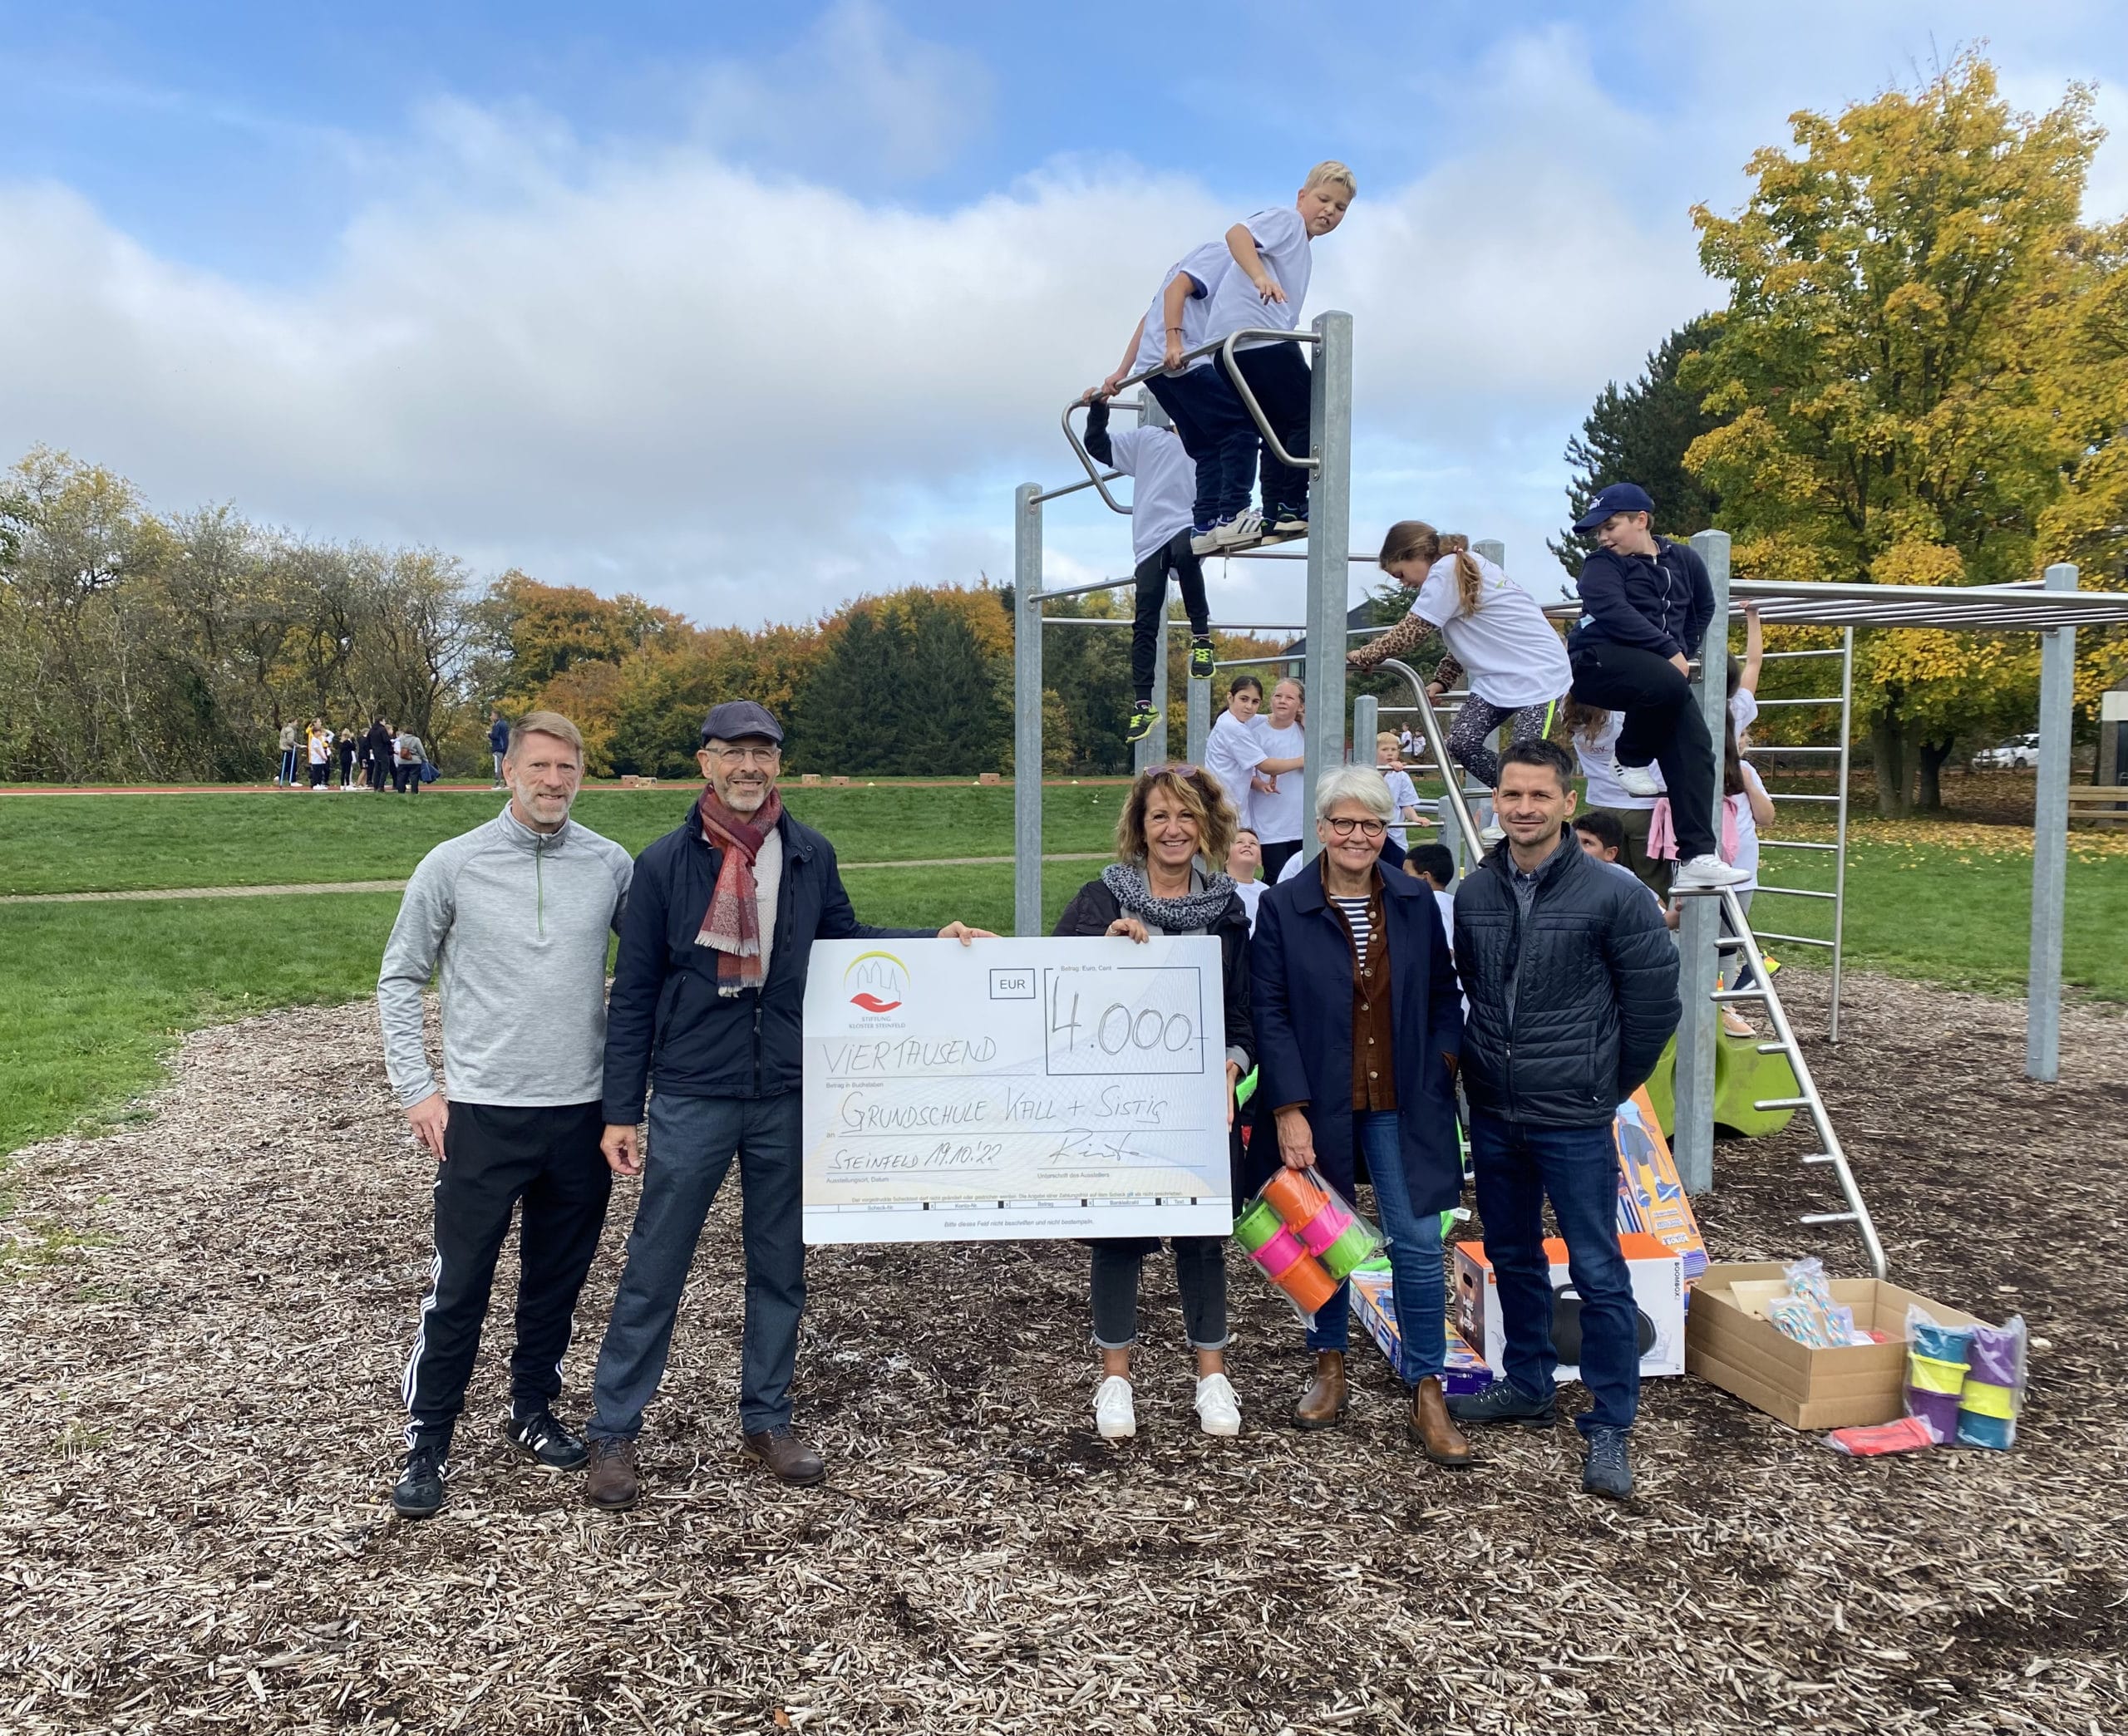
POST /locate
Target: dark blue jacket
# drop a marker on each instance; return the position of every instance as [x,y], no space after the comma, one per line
[665,1021]
[499,737]
[1301,970]
[1661,603]
[1592,975]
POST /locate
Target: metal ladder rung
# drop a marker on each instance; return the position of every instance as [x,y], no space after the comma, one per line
[1764,1103]
[1829,1217]
[1819,1157]
[1754,994]
[1775,1048]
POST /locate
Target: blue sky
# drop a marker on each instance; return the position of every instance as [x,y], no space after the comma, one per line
[750,308]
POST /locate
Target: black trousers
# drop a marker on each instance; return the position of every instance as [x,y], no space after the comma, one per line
[496,1158]
[1276,856]
[1146,631]
[1191,402]
[1279,378]
[1663,723]
[407,778]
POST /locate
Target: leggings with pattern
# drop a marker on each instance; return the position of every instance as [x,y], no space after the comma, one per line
[1470,737]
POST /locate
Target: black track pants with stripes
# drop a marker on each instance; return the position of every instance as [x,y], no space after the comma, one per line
[495,1157]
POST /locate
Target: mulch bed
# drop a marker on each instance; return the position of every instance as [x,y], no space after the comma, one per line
[204,1317]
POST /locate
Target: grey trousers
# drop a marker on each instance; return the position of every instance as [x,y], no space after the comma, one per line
[693,1142]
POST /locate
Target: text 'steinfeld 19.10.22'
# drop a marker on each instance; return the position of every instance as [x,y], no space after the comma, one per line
[1015,1088]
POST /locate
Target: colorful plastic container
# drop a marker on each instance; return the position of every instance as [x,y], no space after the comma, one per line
[1258,1224]
[1349,1252]
[1325,1228]
[1293,1196]
[1282,1253]
[1308,1284]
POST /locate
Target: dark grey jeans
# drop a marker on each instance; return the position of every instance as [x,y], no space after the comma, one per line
[1200,1275]
[692,1142]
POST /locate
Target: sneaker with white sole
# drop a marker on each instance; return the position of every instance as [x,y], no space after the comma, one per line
[1638,780]
[1218,1409]
[1206,540]
[1114,1420]
[1245,530]
[1490,835]
[1705,873]
[1285,526]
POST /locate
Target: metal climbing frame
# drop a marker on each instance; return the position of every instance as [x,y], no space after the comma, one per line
[1329,460]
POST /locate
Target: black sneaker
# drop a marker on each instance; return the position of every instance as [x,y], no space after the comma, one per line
[1143,717]
[1607,1471]
[1504,1402]
[540,1438]
[419,1491]
[1200,660]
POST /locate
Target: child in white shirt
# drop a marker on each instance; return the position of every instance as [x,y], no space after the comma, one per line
[1265,289]
[1172,327]
[1403,793]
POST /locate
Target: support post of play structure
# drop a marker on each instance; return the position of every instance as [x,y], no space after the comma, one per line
[1366,720]
[1152,750]
[1491,548]
[1026,710]
[1197,721]
[1700,925]
[1329,535]
[2050,840]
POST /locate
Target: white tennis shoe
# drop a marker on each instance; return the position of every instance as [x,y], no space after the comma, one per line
[1218,1409]
[1638,780]
[1704,874]
[1114,1420]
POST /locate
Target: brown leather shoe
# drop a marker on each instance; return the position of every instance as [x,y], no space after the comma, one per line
[789,1458]
[1322,1406]
[611,1482]
[1434,1429]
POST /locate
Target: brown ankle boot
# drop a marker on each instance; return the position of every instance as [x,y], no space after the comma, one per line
[1434,1429]
[612,1483]
[1322,1406]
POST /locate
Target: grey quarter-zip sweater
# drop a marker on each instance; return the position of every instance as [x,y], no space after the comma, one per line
[518,921]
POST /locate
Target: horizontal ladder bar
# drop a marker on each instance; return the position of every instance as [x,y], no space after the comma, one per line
[1831,699]
[1796,892]
[1795,843]
[1794,939]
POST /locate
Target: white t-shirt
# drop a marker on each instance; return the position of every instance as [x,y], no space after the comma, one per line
[1509,652]
[1599,765]
[1166,499]
[1747,828]
[1445,903]
[1232,754]
[1743,711]
[1277,816]
[1294,863]
[1208,265]
[1281,241]
[1250,891]
[1402,793]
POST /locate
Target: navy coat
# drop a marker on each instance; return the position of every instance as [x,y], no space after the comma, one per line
[1300,968]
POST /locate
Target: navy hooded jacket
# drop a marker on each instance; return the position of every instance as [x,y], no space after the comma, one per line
[1661,603]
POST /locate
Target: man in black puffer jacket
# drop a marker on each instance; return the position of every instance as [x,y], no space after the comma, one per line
[1572,980]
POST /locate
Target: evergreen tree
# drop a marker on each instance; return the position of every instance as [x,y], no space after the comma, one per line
[1640,435]
[849,717]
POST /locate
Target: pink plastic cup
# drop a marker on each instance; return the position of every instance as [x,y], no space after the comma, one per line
[1280,1254]
[1325,1228]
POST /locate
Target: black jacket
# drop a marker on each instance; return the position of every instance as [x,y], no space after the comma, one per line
[1094,907]
[665,1021]
[1661,603]
[1594,979]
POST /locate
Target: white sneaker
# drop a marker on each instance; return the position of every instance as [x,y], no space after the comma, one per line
[1218,1410]
[1704,874]
[1114,1420]
[1638,780]
[1489,835]
[1244,530]
[1205,542]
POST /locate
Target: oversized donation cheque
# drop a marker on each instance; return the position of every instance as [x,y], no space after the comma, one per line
[1015,1088]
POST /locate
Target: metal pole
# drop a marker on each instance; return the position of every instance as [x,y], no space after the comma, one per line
[1699,960]
[2050,840]
[1152,750]
[1197,719]
[1366,720]
[1026,710]
[1329,531]
[1491,548]
[1839,823]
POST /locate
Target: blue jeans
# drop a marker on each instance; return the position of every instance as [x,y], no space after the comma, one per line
[1516,1167]
[692,1142]
[1418,1288]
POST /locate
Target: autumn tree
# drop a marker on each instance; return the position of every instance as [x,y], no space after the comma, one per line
[1889,366]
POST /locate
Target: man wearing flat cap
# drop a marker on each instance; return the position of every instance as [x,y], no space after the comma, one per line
[706,1014]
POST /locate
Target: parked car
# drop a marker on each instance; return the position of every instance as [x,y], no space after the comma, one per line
[2020,751]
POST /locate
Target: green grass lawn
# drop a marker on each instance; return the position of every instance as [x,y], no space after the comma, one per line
[95,995]
[127,843]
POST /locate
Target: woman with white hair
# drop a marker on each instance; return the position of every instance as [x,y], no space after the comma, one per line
[1358,1024]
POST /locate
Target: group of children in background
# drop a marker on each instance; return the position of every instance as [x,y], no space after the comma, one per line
[382,754]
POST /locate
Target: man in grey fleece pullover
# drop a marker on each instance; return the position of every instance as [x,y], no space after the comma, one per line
[517,913]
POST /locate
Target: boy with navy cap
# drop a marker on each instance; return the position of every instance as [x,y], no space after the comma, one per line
[1646,603]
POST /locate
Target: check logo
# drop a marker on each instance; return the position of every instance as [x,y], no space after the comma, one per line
[877,982]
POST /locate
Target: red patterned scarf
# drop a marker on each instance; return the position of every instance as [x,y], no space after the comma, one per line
[732,923]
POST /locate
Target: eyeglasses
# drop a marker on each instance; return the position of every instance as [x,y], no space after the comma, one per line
[1369,829]
[765,754]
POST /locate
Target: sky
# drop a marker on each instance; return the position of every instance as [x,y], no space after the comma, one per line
[750,310]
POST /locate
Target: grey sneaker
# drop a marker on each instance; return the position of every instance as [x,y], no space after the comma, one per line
[1608,1471]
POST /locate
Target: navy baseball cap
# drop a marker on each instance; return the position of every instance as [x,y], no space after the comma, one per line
[736,718]
[1621,497]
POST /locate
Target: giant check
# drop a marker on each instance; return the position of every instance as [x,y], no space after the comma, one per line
[1015,1088]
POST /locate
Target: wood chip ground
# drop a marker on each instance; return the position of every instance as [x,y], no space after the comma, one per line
[204,1317]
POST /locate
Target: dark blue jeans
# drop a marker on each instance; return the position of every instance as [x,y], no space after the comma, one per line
[692,1142]
[1418,1288]
[1193,402]
[1516,1167]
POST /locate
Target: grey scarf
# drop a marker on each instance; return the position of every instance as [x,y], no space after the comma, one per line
[1192,912]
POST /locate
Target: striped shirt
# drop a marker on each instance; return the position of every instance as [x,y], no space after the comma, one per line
[1356,919]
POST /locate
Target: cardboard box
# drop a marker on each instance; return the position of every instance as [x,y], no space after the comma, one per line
[1729,1343]
[1652,1200]
[1659,1294]
[1373,1301]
